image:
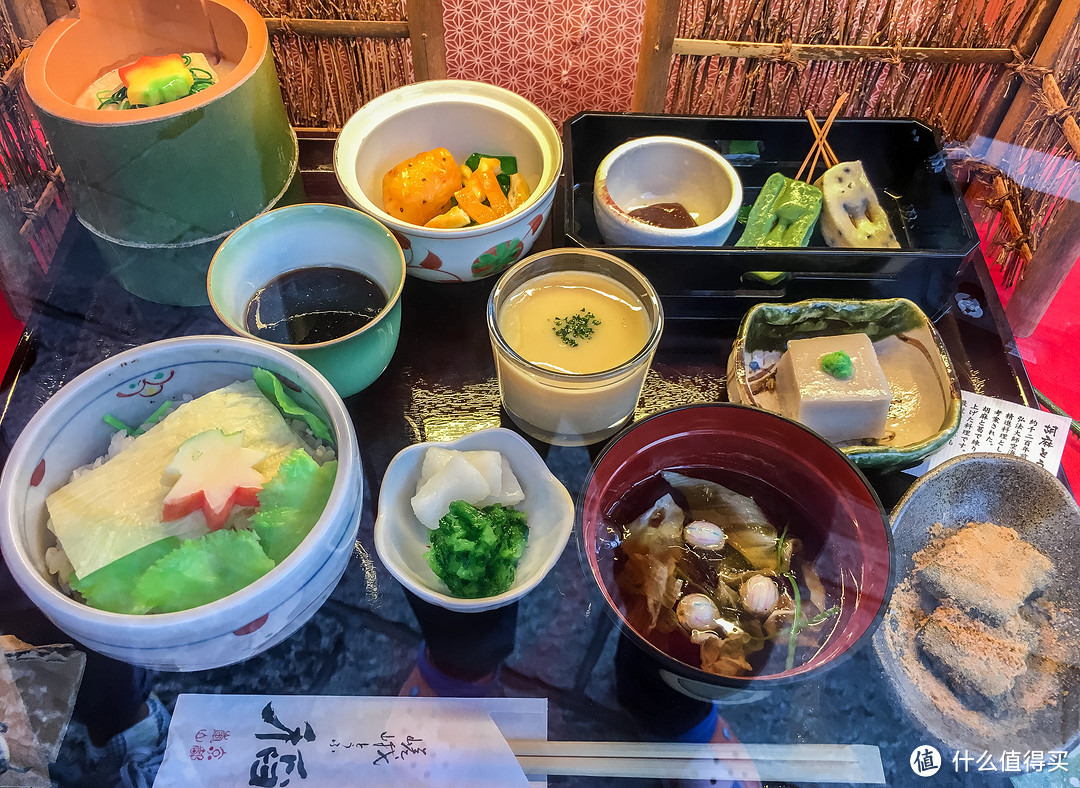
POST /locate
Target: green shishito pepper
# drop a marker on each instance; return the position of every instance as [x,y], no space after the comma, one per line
[784,214]
[476,551]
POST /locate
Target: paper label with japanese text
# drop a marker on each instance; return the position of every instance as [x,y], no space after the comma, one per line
[308,741]
[993,425]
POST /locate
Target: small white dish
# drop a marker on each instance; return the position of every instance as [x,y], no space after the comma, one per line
[660,169]
[402,541]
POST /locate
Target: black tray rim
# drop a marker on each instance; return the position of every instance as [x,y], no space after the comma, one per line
[959,252]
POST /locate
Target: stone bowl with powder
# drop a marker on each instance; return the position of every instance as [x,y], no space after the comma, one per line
[977,640]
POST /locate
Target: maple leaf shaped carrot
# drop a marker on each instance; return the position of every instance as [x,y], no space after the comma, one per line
[212,472]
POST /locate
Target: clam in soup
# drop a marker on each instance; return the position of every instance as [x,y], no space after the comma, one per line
[716,579]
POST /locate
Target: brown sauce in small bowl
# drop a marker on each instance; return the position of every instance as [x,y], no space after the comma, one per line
[669,215]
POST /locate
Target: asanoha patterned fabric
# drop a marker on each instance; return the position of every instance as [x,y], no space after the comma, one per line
[566,56]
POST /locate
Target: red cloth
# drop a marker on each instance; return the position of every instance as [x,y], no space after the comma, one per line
[1048,356]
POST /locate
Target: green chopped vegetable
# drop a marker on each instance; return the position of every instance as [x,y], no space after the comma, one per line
[507,167]
[290,503]
[156,416]
[110,588]
[273,389]
[476,551]
[838,364]
[151,420]
[116,424]
[202,570]
[800,622]
[508,164]
[571,328]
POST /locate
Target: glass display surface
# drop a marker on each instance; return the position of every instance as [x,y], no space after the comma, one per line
[559,641]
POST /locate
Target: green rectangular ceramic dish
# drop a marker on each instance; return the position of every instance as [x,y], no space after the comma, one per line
[925,409]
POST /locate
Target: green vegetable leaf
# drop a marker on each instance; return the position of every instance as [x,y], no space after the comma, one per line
[290,503]
[476,551]
[202,570]
[508,164]
[111,587]
[800,622]
[274,390]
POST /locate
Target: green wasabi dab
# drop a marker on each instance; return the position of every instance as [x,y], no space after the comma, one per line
[838,364]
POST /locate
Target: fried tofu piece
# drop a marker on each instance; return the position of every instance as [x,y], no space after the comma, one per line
[979,661]
[987,570]
[519,190]
[418,189]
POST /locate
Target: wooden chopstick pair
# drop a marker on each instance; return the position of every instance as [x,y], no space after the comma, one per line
[821,145]
[814,763]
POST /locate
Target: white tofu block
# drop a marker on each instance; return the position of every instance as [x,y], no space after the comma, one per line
[840,410]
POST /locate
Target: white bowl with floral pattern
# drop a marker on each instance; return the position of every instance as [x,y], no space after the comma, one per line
[466,118]
[68,432]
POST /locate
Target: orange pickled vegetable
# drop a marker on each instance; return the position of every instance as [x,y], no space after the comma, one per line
[418,189]
[494,193]
[470,203]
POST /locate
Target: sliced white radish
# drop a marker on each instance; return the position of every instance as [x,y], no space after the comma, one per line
[508,491]
[481,478]
[457,480]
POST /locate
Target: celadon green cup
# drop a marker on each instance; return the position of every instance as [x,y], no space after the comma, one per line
[305,236]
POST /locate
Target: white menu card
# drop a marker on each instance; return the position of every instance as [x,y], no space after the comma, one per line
[993,425]
[313,741]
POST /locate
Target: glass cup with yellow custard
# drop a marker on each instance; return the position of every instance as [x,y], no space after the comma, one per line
[573,332]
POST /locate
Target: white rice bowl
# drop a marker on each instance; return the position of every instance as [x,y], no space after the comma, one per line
[68,433]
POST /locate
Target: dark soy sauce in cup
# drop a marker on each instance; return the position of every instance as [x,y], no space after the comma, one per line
[316,304]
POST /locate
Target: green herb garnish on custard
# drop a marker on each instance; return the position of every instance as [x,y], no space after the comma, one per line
[577,326]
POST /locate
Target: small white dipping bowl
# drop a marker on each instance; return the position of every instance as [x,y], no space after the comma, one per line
[402,541]
[68,432]
[660,169]
[465,118]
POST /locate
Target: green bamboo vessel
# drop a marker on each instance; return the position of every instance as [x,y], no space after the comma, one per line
[160,187]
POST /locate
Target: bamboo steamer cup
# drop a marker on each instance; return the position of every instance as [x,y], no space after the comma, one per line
[160,187]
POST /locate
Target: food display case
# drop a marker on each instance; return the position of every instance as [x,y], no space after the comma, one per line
[557,642]
[876,684]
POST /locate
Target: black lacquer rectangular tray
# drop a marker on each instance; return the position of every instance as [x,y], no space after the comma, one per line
[903,161]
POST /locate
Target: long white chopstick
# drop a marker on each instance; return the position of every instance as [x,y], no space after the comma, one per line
[821,763]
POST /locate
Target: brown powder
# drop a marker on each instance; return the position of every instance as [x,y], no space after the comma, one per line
[974,656]
[985,569]
[1047,631]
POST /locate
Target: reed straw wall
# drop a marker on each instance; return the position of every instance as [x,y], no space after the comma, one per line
[34,205]
[892,81]
[325,79]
